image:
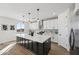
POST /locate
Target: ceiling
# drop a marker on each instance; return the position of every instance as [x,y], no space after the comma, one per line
[17,10]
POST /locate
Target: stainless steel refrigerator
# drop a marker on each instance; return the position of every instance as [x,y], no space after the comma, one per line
[76,38]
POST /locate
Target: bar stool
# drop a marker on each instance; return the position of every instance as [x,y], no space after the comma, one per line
[34,47]
[26,43]
[30,45]
[17,39]
[21,41]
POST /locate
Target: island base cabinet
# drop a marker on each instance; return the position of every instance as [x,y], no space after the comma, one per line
[42,48]
[36,47]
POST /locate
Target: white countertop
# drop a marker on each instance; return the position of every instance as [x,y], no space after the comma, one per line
[37,38]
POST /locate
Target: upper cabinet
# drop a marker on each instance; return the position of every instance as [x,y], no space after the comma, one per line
[51,24]
[34,26]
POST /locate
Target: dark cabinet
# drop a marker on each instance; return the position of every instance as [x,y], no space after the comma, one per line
[36,47]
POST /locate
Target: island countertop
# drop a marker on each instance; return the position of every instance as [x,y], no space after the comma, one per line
[36,38]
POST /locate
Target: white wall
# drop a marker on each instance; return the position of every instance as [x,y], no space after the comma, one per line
[8,35]
[64,29]
[34,26]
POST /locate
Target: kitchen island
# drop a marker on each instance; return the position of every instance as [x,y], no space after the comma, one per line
[38,44]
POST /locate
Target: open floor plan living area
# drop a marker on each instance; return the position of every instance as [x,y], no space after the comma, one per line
[39,28]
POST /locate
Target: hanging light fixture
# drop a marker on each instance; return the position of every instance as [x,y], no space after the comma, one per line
[37,9]
[38,14]
[29,17]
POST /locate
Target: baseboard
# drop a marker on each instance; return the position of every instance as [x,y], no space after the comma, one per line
[54,42]
[64,48]
[7,42]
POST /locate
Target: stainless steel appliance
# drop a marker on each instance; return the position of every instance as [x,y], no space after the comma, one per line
[75,41]
[76,38]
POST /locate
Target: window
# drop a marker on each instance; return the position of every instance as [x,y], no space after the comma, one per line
[20,27]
